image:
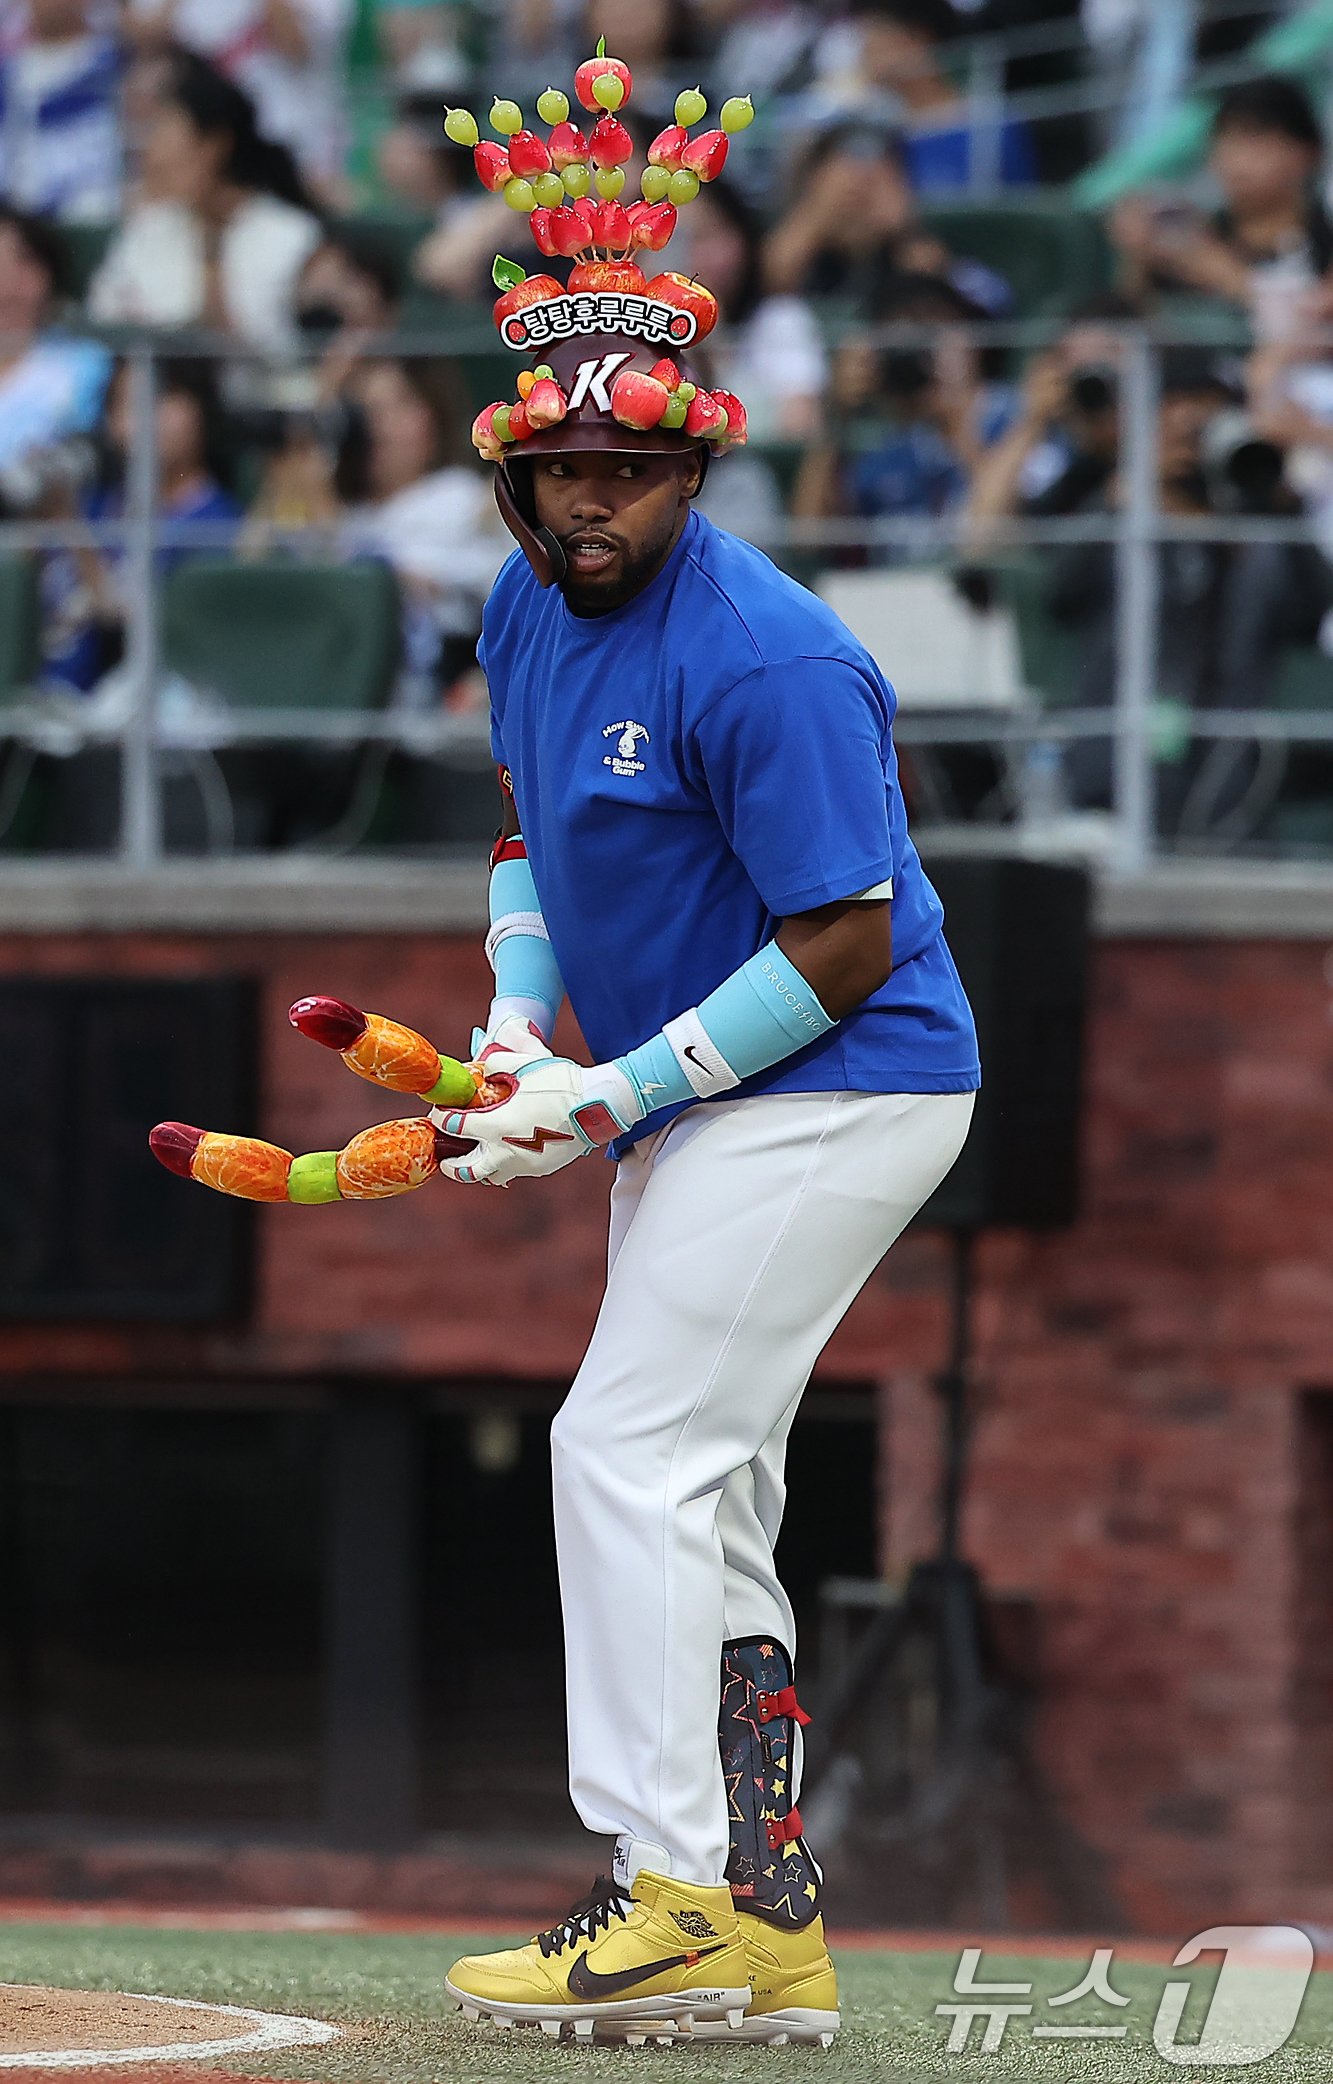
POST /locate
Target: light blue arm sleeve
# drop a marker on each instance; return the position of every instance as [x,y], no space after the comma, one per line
[763,1012]
[528,983]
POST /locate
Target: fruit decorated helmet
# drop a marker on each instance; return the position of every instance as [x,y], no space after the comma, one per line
[608,352]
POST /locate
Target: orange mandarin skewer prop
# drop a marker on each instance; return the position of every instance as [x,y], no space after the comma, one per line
[385,1160]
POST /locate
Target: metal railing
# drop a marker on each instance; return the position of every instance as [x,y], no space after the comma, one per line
[1133,528]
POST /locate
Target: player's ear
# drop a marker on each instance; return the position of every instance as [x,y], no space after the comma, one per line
[694,473]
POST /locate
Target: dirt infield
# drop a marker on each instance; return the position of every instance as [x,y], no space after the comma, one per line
[42,2022]
[45,2028]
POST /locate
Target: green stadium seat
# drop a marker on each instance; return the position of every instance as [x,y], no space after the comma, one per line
[20,627]
[1304,679]
[86,245]
[1048,651]
[1053,255]
[285,636]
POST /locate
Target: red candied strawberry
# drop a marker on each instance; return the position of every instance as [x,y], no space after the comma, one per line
[666,372]
[706,417]
[529,154]
[611,225]
[707,155]
[520,426]
[492,164]
[568,232]
[610,143]
[653,229]
[737,419]
[567,146]
[539,224]
[667,146]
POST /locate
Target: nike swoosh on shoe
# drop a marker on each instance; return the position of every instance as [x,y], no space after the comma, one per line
[586,1983]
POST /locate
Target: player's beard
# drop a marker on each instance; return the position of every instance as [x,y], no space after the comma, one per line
[626,573]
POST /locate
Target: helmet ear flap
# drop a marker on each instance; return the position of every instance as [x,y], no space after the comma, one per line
[514,498]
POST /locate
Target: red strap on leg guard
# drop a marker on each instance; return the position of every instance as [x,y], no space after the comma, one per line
[783,1829]
[768,1706]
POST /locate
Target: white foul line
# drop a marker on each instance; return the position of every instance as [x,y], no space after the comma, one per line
[270,2030]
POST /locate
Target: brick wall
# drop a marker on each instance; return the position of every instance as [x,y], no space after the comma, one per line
[1154,1450]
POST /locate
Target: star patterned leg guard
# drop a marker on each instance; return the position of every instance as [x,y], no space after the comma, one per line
[769,1871]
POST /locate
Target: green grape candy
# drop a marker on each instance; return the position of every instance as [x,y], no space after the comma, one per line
[553,106]
[500,423]
[674,416]
[549,190]
[687,392]
[460,126]
[608,181]
[520,196]
[576,181]
[654,182]
[506,117]
[608,92]
[313,1180]
[683,186]
[737,114]
[691,106]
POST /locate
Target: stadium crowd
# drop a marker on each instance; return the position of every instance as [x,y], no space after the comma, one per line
[263,187]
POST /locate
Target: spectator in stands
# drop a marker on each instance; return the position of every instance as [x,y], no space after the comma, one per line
[769,44]
[771,345]
[854,224]
[222,231]
[900,64]
[1225,610]
[1269,249]
[84,589]
[1062,447]
[51,390]
[286,54]
[418,166]
[411,498]
[420,42]
[60,136]
[907,427]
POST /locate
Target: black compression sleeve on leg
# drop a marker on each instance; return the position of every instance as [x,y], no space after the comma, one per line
[769,1871]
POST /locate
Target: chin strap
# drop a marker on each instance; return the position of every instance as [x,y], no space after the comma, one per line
[542,550]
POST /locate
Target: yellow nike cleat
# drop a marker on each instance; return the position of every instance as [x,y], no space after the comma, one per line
[642,1966]
[794,1986]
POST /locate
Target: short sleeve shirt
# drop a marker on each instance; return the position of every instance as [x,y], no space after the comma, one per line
[692,768]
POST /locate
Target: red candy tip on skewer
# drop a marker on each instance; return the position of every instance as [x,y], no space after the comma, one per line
[330,1021]
[174,1144]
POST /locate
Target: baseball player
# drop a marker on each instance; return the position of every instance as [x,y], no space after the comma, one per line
[704,848]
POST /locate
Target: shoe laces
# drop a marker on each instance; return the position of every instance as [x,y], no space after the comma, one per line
[592,1914]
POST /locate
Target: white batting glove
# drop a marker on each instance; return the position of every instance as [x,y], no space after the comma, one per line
[554,1112]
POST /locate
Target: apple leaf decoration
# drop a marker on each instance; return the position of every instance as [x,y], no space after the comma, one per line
[507,274]
[601,47]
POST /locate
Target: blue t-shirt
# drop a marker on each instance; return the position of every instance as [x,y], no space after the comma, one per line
[691,768]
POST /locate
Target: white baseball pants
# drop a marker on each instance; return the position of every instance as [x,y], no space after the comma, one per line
[740,1235]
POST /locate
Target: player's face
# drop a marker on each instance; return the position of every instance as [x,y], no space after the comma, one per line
[616,518]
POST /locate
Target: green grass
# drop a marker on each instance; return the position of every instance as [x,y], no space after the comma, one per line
[387,1993]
